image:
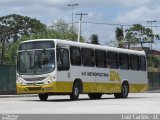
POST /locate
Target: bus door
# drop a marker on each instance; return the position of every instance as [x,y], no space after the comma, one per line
[63,68]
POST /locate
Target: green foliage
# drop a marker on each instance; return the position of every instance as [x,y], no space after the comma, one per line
[50,33]
[119,37]
[11,51]
[94,39]
[65,31]
[139,34]
[153,63]
[14,27]
[136,34]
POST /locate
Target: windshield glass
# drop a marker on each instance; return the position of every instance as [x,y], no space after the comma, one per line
[36,61]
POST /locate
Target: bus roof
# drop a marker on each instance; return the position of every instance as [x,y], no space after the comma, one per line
[79,44]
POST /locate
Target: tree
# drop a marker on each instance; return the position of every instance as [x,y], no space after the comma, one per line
[139,34]
[66,31]
[49,33]
[17,26]
[61,26]
[13,27]
[119,37]
[94,39]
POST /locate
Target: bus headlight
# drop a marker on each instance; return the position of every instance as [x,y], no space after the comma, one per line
[20,81]
[49,80]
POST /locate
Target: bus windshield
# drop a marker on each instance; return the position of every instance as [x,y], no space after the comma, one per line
[34,62]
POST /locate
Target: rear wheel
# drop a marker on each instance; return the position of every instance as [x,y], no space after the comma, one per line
[43,97]
[75,91]
[95,95]
[124,91]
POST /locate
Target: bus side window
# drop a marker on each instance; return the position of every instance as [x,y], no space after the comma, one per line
[143,63]
[63,59]
[113,60]
[88,57]
[75,55]
[134,62]
[100,58]
[123,61]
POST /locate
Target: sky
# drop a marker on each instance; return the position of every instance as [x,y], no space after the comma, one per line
[124,12]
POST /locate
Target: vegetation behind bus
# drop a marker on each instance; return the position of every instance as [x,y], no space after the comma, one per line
[10,40]
[61,30]
[138,34]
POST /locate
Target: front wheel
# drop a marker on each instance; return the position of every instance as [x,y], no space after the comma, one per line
[43,97]
[75,92]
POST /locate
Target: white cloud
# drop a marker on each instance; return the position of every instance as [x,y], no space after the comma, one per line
[134,16]
[109,11]
[138,15]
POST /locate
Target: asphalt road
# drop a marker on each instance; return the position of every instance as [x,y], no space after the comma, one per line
[141,103]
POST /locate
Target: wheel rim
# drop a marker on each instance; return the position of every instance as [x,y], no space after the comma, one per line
[76,91]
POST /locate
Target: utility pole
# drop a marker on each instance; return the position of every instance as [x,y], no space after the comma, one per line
[72,5]
[151,21]
[80,20]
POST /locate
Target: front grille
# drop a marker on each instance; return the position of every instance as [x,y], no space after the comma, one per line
[34,84]
[34,79]
[34,88]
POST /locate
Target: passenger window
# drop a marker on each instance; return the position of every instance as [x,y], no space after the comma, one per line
[75,55]
[143,63]
[88,57]
[124,61]
[100,58]
[134,62]
[112,60]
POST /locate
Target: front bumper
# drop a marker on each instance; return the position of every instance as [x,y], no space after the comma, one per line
[55,87]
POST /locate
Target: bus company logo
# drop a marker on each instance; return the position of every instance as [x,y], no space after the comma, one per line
[114,76]
[95,74]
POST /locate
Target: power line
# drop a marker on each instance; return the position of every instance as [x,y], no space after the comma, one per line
[109,24]
[116,24]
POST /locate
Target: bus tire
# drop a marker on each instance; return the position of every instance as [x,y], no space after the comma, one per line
[93,96]
[43,97]
[75,92]
[124,91]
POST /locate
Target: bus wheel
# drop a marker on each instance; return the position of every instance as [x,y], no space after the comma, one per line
[95,95]
[43,97]
[124,91]
[75,92]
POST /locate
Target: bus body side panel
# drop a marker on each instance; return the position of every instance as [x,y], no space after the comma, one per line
[86,75]
[137,80]
[107,81]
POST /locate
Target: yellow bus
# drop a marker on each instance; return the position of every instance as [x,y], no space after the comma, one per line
[52,66]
